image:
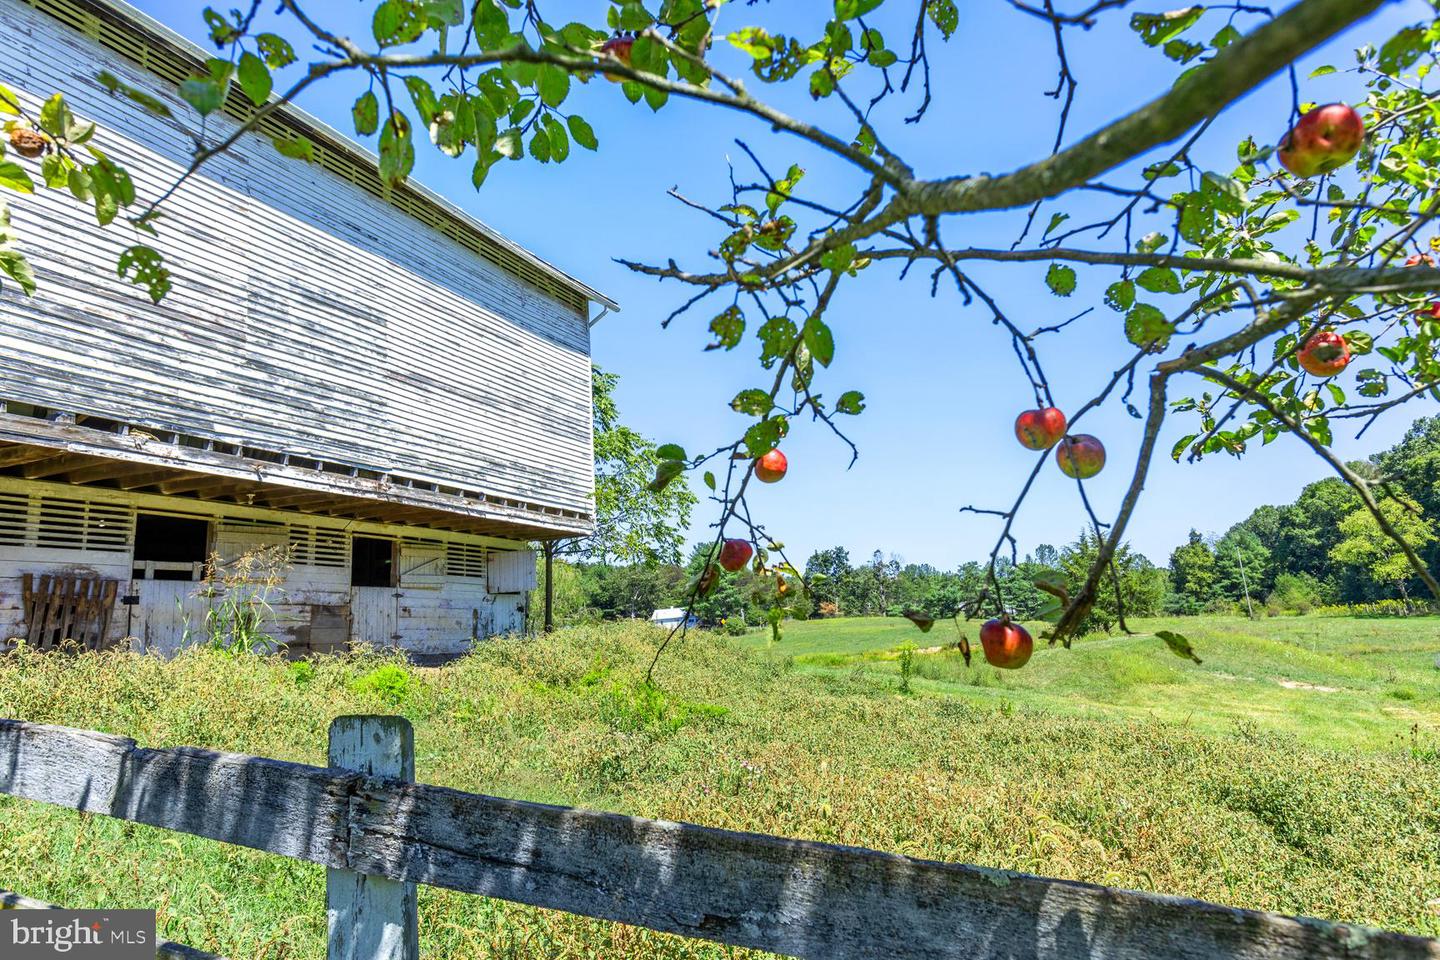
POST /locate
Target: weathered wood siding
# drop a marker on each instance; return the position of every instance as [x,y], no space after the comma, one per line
[440,605]
[308,316]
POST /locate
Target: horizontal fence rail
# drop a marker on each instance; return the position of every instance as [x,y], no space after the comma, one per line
[786,896]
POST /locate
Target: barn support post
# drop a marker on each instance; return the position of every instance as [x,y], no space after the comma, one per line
[369,917]
[549,548]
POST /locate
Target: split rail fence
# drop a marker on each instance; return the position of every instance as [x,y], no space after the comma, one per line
[381,834]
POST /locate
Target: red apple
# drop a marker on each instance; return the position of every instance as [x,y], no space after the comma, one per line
[1417,259]
[1432,311]
[1081,456]
[1040,429]
[619,48]
[1323,140]
[1325,354]
[1007,645]
[734,554]
[771,467]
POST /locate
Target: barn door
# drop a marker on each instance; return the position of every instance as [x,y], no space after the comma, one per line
[166,615]
[374,616]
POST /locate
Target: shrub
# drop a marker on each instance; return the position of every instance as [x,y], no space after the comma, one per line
[389,682]
[1296,593]
[1380,608]
[734,626]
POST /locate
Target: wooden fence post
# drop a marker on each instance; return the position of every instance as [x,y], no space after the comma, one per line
[372,918]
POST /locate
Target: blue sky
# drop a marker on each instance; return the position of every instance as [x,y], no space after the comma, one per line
[941,384]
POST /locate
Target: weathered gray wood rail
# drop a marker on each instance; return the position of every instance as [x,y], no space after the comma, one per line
[787,896]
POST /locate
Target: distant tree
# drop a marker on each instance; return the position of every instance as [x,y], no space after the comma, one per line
[633,523]
[825,572]
[1366,545]
[1142,584]
[1047,556]
[1193,580]
[1242,566]
[632,590]
[1413,466]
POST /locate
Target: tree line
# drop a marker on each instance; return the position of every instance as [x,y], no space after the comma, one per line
[1325,547]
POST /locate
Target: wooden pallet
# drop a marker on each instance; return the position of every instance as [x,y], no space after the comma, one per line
[75,609]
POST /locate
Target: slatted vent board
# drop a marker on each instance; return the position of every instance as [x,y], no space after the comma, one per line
[465,560]
[67,608]
[318,547]
[61,523]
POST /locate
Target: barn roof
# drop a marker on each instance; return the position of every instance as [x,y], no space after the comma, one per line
[170,56]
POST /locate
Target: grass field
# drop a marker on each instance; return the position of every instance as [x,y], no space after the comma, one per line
[1086,766]
[1356,684]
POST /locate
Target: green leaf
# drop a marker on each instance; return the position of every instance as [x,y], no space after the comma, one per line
[17,268]
[671,451]
[55,170]
[777,337]
[850,9]
[764,436]
[1060,278]
[559,140]
[55,116]
[296,148]
[397,149]
[14,177]
[205,96]
[754,402]
[581,132]
[366,112]
[1158,28]
[254,78]
[1178,644]
[709,479]
[1177,451]
[1145,325]
[851,402]
[667,471]
[945,15]
[1120,295]
[553,83]
[540,146]
[1055,221]
[784,188]
[839,259]
[1159,280]
[728,327]
[819,341]
[149,269]
[398,22]
[275,49]
[9,102]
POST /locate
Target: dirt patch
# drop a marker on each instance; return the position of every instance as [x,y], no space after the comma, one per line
[1302,685]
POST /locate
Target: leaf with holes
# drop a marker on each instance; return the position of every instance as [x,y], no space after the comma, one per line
[851,402]
[148,268]
[1060,278]
[754,402]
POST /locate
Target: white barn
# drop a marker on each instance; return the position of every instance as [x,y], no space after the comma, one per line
[367,377]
